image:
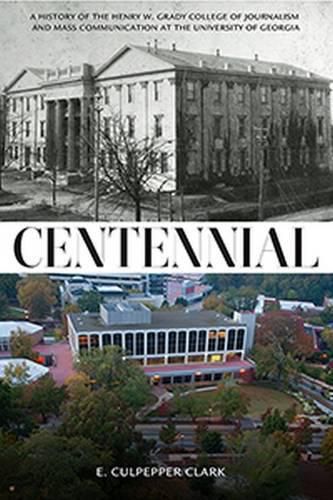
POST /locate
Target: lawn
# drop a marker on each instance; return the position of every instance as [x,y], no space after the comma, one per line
[261,398]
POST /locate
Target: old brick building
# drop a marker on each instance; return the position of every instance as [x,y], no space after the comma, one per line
[221,118]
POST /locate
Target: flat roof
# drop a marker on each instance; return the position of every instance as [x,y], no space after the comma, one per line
[190,368]
[35,370]
[7,327]
[165,320]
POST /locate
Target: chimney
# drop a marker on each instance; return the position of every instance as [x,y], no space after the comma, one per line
[218,52]
[226,65]
[148,46]
[155,45]
[256,57]
[174,46]
[273,70]
[201,63]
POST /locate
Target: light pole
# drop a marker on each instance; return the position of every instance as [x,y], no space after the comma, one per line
[98,110]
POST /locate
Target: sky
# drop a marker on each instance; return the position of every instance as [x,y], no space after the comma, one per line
[310,48]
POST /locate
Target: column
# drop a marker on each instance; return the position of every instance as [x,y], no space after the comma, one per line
[50,135]
[60,135]
[84,134]
[71,137]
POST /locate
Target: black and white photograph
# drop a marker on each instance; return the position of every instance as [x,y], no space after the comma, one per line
[173,111]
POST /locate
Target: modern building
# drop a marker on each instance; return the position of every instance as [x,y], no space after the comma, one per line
[217,118]
[34,371]
[172,346]
[34,331]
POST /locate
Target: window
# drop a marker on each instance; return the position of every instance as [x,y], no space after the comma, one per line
[231,339]
[202,341]
[27,155]
[320,97]
[164,162]
[139,344]
[284,127]
[321,153]
[217,127]
[283,95]
[42,128]
[27,128]
[285,157]
[192,130]
[212,341]
[192,343]
[218,92]
[190,91]
[117,339]
[158,131]
[157,91]
[106,96]
[302,125]
[106,339]
[107,128]
[241,94]
[39,154]
[172,342]
[27,103]
[241,127]
[151,343]
[129,344]
[243,156]
[181,341]
[320,126]
[131,126]
[42,102]
[161,343]
[14,105]
[130,93]
[44,154]
[264,126]
[302,96]
[16,153]
[240,339]
[14,129]
[263,95]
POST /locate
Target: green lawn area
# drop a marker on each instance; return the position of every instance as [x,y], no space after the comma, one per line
[261,398]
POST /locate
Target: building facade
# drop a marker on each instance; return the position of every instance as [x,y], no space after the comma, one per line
[217,118]
[166,344]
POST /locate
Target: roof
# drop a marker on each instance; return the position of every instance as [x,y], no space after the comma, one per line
[35,370]
[7,327]
[212,62]
[187,369]
[159,320]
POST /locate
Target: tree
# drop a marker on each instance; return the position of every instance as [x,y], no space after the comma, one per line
[16,373]
[129,164]
[266,469]
[111,369]
[327,336]
[211,442]
[8,284]
[49,466]
[20,345]
[102,417]
[273,422]
[38,295]
[326,448]
[168,433]
[3,306]
[190,405]
[231,403]
[90,301]
[45,398]
[273,363]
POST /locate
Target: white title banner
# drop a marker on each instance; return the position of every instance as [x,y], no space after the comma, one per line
[221,247]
